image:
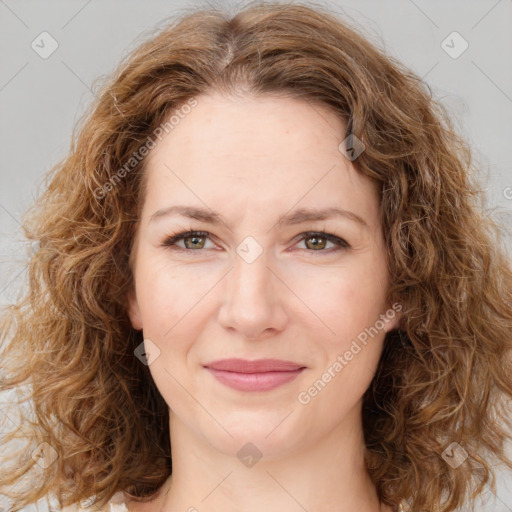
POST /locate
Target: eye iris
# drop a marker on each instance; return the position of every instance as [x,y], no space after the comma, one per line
[197,241]
[194,244]
[316,245]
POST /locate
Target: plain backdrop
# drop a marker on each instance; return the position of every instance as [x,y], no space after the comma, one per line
[462,49]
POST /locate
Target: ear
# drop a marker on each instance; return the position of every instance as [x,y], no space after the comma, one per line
[133,310]
[392,317]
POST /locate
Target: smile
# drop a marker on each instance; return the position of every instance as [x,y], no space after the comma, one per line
[262,381]
[256,375]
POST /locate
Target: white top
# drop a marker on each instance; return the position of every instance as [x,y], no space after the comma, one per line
[115,504]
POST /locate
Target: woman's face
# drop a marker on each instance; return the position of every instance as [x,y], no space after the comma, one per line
[255,173]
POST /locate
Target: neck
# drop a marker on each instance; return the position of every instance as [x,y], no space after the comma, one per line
[327,475]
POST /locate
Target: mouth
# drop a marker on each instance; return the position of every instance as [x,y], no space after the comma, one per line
[259,375]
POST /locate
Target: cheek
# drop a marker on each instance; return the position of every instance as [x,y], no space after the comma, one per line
[166,295]
[336,391]
[167,299]
[343,301]
[351,358]
[173,303]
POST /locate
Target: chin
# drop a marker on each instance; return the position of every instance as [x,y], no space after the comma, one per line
[269,437]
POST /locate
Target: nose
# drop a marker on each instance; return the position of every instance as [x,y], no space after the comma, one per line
[254,297]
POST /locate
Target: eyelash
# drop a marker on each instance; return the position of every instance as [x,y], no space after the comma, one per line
[170,241]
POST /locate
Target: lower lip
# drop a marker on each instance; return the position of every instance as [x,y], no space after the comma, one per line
[264,381]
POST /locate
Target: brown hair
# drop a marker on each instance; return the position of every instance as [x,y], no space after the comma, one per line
[443,375]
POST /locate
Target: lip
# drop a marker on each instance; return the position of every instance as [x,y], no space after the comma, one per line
[255,366]
[258,375]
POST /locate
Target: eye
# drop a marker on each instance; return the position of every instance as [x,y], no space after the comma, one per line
[195,240]
[320,240]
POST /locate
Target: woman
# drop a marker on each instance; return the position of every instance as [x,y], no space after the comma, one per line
[263,281]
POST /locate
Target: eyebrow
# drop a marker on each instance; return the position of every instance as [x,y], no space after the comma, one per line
[296,217]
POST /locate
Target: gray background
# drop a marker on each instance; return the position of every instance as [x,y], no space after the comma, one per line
[42,99]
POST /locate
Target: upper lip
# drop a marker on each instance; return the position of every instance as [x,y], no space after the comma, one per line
[255,366]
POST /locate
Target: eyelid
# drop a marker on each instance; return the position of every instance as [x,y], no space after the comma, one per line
[170,240]
[341,244]
[330,237]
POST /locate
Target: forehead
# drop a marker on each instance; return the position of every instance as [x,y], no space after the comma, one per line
[262,126]
[254,151]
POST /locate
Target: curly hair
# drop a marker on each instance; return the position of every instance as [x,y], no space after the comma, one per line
[444,376]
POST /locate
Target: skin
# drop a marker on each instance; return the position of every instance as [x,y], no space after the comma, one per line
[252,159]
